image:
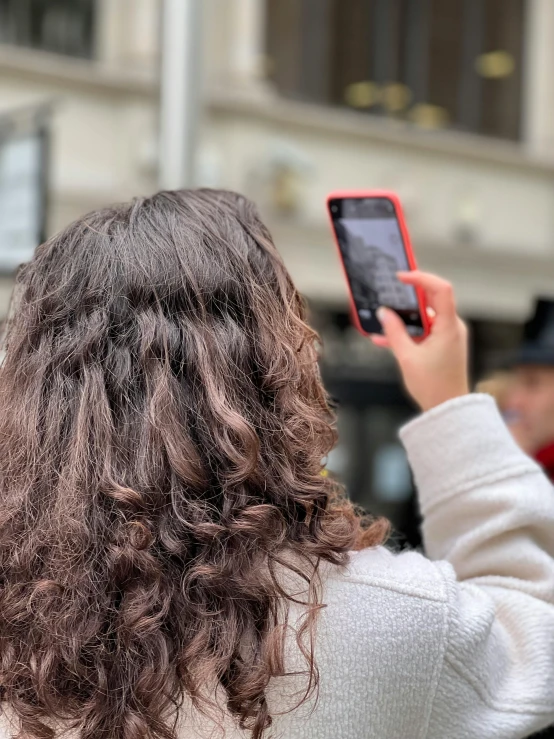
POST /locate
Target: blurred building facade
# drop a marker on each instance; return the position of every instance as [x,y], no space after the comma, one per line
[448,102]
[90,67]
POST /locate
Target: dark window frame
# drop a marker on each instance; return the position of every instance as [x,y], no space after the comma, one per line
[427,48]
[66,27]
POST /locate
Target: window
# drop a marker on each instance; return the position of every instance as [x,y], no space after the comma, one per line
[437,63]
[23,184]
[60,26]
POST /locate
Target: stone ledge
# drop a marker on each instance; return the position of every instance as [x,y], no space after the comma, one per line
[82,73]
[323,120]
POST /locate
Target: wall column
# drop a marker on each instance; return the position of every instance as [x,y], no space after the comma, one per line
[538,79]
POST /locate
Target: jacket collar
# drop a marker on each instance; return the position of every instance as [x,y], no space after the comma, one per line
[545,457]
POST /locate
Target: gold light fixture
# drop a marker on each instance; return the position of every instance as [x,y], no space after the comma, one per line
[396,97]
[495,65]
[363,94]
[393,96]
[429,116]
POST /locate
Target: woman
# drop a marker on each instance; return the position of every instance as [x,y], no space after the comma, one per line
[174,564]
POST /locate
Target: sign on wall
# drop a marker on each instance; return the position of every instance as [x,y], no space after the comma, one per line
[22,195]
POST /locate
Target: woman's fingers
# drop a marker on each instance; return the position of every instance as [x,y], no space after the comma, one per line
[438,292]
[398,339]
[436,370]
[379,340]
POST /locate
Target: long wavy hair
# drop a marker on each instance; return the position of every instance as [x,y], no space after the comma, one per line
[163,429]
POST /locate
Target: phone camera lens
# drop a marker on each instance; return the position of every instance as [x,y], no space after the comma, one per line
[334,208]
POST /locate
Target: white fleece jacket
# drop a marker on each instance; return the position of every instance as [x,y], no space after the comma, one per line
[458,646]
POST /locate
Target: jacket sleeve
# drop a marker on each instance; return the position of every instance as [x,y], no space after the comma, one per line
[488,515]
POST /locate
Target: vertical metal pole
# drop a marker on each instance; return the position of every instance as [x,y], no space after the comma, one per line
[44,136]
[180,92]
[384,41]
[469,93]
[416,65]
[316,49]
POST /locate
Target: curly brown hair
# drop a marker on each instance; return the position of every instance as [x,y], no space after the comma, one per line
[163,433]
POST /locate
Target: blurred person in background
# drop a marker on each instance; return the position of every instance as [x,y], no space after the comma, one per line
[529,400]
[167,539]
[524,394]
[500,384]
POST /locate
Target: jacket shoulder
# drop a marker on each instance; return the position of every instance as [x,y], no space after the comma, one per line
[408,573]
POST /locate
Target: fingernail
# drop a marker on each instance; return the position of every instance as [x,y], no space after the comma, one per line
[382,314]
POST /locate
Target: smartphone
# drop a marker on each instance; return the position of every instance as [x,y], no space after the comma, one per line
[373,244]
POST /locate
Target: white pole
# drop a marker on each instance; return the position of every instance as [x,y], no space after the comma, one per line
[180,92]
[538,86]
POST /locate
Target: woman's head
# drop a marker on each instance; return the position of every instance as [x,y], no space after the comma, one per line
[162,435]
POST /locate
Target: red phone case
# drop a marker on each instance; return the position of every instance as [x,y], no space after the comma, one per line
[393,197]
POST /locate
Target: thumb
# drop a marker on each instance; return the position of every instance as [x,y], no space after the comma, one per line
[395,331]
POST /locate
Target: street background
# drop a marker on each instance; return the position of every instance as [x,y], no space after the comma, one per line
[448,102]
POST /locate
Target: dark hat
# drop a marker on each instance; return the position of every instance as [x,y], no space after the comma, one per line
[537,346]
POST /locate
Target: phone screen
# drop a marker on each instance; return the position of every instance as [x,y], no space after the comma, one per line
[372,248]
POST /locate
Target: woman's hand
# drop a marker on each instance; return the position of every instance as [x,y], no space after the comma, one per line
[434,370]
